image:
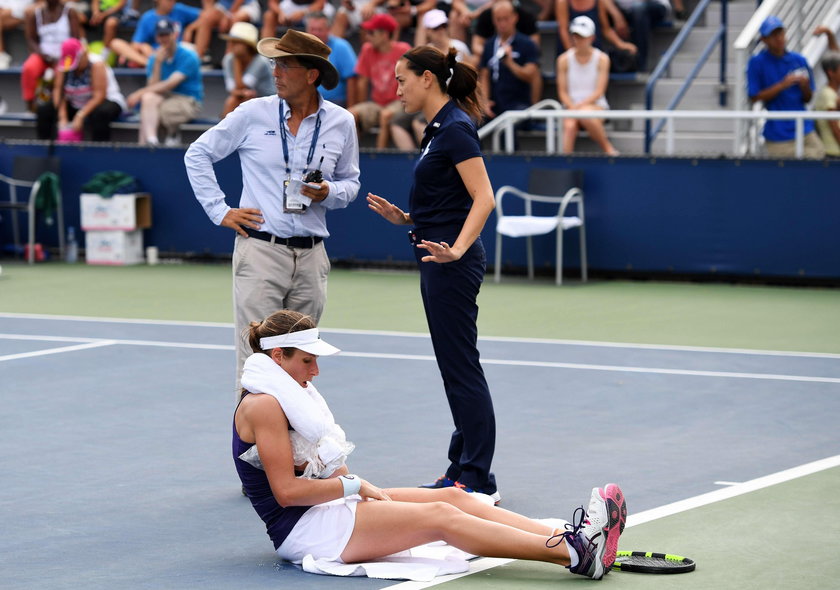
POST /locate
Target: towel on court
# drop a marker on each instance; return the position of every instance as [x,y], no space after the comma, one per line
[316,439]
[420,564]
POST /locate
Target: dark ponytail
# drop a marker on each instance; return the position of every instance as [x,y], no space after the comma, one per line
[456,79]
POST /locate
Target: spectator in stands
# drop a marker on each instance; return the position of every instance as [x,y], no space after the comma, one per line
[107,16]
[375,82]
[342,57]
[783,81]
[407,128]
[602,13]
[47,26]
[509,66]
[247,74]
[12,14]
[174,88]
[828,98]
[219,15]
[143,43]
[642,16]
[86,97]
[583,73]
[292,13]
[462,14]
[351,14]
[526,23]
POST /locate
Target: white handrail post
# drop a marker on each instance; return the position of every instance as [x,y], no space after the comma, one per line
[550,143]
[669,136]
[800,137]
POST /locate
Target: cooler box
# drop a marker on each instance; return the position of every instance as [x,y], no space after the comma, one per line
[114,247]
[120,212]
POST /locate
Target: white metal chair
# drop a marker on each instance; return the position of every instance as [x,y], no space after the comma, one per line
[26,170]
[560,187]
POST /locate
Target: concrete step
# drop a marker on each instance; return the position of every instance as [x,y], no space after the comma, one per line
[686,125]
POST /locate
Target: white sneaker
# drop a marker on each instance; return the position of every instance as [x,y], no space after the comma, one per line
[172,140]
[594,533]
[5,60]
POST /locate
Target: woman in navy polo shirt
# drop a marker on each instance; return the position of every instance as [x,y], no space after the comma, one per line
[450,200]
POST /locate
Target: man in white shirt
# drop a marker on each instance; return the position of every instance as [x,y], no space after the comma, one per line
[284,143]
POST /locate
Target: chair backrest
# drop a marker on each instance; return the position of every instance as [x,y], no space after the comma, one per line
[30,168]
[554,182]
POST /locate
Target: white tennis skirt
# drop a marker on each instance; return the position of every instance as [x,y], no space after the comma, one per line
[322,531]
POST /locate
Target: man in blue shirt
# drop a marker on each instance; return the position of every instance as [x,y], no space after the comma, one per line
[783,81]
[509,70]
[342,57]
[174,90]
[143,42]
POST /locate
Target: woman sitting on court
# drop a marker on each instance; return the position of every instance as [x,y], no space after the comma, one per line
[290,455]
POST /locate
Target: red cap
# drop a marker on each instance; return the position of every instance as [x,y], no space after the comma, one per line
[380,22]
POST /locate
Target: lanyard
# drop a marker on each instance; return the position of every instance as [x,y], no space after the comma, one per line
[286,145]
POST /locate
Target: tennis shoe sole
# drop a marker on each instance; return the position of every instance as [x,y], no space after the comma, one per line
[612,524]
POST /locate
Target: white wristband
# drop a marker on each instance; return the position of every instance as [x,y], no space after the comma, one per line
[351,484]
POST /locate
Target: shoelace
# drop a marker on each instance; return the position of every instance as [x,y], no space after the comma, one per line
[572,529]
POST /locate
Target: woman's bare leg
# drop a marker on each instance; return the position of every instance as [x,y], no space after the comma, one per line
[470,504]
[383,528]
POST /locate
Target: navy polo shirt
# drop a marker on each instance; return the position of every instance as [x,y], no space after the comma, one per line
[438,196]
[764,70]
[506,90]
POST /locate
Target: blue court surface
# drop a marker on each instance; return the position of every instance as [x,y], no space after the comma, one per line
[117,470]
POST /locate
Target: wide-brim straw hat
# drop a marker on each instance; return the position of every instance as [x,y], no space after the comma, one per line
[244,32]
[298,44]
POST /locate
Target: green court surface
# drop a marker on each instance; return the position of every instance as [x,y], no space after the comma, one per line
[689,314]
[782,536]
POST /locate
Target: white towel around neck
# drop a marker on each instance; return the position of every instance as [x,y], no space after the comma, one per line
[316,439]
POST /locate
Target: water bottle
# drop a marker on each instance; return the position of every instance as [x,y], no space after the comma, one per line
[71,254]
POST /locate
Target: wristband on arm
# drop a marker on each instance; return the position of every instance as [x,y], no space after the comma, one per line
[351,484]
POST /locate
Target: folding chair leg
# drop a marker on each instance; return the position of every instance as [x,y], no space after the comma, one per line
[583,260]
[559,278]
[31,254]
[497,271]
[530,258]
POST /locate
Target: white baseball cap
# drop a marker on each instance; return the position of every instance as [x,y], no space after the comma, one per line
[434,18]
[582,26]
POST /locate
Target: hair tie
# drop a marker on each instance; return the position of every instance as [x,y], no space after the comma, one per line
[451,73]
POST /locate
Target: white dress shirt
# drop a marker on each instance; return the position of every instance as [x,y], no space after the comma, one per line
[253,131]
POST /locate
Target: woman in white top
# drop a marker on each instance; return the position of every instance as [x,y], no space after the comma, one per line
[46,28]
[582,77]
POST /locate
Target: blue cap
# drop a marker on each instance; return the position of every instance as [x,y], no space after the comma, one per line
[770,24]
[165,26]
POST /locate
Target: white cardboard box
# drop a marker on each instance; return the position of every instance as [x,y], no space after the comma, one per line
[124,212]
[114,247]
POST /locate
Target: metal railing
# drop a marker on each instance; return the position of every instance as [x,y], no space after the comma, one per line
[801,17]
[505,123]
[719,38]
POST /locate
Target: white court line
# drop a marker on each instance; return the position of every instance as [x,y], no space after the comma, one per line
[739,489]
[486,361]
[611,368]
[593,343]
[62,349]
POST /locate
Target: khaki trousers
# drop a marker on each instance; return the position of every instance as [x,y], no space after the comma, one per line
[270,277]
[812,147]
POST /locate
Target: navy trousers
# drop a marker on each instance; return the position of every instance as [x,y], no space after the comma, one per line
[449,293]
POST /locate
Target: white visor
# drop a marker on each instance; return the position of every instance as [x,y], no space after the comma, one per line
[305,340]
